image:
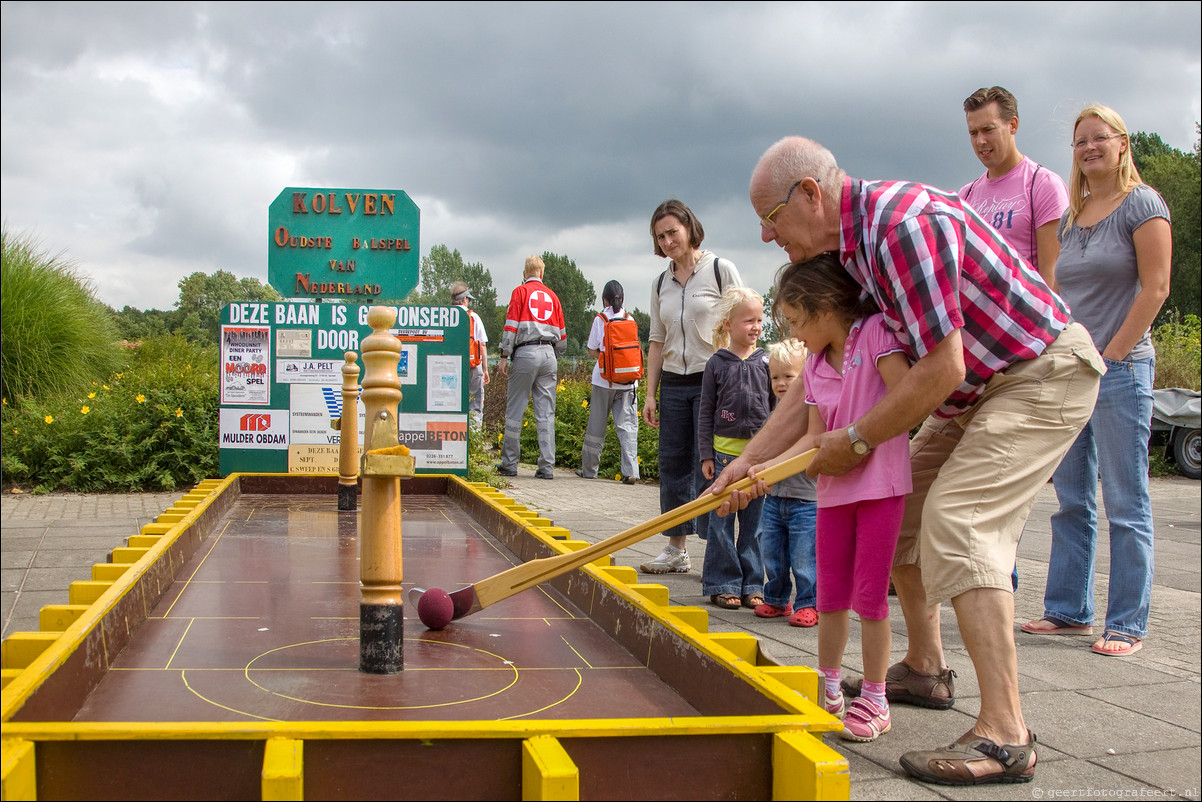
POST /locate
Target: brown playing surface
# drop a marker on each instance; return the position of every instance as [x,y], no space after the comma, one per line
[262,625]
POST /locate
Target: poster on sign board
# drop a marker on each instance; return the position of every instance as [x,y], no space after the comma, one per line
[245,360]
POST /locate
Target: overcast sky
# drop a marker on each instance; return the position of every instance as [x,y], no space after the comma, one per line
[146,141]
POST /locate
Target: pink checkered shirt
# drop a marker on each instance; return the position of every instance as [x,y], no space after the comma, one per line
[934,266]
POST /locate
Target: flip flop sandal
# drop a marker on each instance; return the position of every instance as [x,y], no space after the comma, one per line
[1128,645]
[752,600]
[950,766]
[727,601]
[1057,628]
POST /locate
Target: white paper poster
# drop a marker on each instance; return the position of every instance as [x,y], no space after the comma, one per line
[245,357]
[443,383]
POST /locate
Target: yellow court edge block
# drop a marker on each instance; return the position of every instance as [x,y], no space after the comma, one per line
[548,772]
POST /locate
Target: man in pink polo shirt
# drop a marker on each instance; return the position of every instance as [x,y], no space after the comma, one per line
[1021,199]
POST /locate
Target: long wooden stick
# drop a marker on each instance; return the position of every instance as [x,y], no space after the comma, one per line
[521,577]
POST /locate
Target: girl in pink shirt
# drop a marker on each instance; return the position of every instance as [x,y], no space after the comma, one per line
[854,359]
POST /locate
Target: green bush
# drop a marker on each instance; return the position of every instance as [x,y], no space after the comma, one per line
[1179,353]
[152,426]
[56,337]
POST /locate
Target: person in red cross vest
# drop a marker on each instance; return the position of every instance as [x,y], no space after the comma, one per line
[534,336]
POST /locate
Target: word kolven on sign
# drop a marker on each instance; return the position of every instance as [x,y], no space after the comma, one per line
[328,203]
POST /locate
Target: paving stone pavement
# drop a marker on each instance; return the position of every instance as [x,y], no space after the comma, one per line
[1107,728]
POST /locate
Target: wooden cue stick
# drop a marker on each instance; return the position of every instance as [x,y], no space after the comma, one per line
[527,575]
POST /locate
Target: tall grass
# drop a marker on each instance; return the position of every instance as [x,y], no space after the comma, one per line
[1179,352]
[56,336]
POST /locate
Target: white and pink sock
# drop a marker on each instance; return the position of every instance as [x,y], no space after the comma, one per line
[875,693]
[830,678]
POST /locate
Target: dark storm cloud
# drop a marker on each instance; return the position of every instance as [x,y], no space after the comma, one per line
[149,139]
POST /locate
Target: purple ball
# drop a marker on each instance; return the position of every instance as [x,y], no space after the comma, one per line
[435,608]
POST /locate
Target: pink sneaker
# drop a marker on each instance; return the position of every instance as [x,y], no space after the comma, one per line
[835,704]
[864,721]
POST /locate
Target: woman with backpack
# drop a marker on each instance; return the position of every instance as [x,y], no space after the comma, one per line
[684,301]
[614,343]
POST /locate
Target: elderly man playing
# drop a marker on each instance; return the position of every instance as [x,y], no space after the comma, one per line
[1002,382]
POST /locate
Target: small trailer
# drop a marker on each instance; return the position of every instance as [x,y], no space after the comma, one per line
[1176,413]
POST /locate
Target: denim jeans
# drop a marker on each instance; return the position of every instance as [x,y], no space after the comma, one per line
[680,477]
[788,529]
[733,565]
[1115,444]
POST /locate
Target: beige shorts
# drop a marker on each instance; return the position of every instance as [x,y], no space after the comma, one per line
[976,475]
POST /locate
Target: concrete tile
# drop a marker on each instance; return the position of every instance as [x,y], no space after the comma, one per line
[1069,722]
[92,522]
[81,559]
[1174,771]
[23,525]
[898,788]
[25,613]
[11,579]
[1188,580]
[1173,702]
[75,529]
[1065,661]
[27,541]
[57,578]
[1063,779]
[16,558]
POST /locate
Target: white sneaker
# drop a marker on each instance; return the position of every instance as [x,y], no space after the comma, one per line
[671,561]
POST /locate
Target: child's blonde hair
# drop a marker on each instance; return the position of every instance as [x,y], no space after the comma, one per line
[731,300]
[790,351]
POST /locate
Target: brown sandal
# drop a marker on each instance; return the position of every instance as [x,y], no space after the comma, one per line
[906,686]
[753,600]
[727,601]
[950,766]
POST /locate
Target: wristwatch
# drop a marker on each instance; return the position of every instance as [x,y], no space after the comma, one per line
[859,446]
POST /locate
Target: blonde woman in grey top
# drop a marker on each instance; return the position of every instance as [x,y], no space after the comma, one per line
[1113,270]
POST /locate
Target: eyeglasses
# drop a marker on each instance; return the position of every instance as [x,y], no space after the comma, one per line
[766,220]
[1098,140]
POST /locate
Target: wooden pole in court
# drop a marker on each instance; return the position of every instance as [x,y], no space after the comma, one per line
[348,440]
[381,614]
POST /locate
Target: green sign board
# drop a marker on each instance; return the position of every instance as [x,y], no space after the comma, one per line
[281,385]
[360,245]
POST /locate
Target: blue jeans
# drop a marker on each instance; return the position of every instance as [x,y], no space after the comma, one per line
[788,528]
[733,565]
[1115,441]
[680,478]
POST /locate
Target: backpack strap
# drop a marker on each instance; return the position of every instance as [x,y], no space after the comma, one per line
[968,192]
[1031,206]
[659,283]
